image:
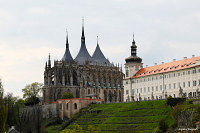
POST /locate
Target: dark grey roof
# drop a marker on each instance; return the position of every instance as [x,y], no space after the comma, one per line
[83,56]
[67,56]
[98,57]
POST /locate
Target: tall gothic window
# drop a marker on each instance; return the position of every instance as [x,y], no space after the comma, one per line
[127,73]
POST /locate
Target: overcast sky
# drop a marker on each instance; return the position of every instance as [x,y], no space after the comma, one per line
[30,29]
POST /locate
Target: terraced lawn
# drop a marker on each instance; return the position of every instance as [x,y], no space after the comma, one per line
[124,117]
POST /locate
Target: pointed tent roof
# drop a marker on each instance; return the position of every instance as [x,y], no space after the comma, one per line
[83,54]
[67,56]
[98,56]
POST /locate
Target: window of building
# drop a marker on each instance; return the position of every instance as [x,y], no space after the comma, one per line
[194,83]
[188,83]
[141,90]
[199,82]
[169,86]
[127,73]
[183,73]
[183,84]
[160,87]
[152,88]
[137,90]
[174,75]
[88,91]
[75,106]
[194,71]
[179,84]
[174,85]
[148,89]
[61,106]
[188,72]
[144,89]
[199,70]
[165,86]
[126,92]
[67,106]
[169,75]
[160,77]
[152,78]
[156,88]
[178,74]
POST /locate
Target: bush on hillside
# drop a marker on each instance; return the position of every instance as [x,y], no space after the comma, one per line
[162,126]
[172,102]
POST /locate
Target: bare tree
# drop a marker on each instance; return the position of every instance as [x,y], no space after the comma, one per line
[185,118]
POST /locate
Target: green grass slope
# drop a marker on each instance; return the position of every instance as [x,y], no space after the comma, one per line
[124,117]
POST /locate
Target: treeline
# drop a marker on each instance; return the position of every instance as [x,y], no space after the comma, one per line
[10,106]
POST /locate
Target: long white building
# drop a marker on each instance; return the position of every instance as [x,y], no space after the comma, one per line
[176,78]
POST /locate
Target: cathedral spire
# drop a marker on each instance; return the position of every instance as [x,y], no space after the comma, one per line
[83,34]
[67,43]
[97,40]
[67,56]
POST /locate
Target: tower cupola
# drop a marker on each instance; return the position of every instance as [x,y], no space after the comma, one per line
[133,57]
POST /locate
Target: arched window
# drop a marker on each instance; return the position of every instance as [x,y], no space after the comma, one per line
[61,106]
[75,106]
[67,106]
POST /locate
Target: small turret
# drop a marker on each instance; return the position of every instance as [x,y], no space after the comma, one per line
[49,61]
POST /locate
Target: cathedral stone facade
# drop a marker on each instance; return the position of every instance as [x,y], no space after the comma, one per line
[85,76]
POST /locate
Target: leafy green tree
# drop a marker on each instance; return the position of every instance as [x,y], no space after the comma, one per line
[14,106]
[67,95]
[32,90]
[3,114]
[31,93]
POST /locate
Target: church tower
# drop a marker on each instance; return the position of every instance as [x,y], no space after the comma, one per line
[133,62]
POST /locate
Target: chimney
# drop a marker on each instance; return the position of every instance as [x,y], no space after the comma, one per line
[184,57]
[162,62]
[155,64]
[193,56]
[174,59]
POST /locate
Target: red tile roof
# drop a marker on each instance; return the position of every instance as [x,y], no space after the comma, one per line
[77,99]
[167,67]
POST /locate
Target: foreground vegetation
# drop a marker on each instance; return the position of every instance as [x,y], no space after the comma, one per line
[144,116]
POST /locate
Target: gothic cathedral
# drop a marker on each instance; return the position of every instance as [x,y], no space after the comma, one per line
[85,76]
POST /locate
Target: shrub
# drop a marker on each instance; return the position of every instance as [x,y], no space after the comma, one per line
[162,126]
[174,101]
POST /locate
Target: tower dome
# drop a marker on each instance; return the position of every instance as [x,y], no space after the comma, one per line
[133,57]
